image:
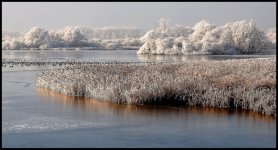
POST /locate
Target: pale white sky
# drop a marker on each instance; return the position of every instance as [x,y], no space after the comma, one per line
[21,16]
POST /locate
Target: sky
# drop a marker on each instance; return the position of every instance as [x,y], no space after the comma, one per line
[22,16]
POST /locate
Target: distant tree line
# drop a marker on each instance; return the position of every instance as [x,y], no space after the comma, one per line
[107,37]
[240,37]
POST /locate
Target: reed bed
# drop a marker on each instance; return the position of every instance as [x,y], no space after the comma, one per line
[233,84]
[52,62]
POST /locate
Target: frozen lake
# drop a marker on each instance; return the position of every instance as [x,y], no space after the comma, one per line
[35,117]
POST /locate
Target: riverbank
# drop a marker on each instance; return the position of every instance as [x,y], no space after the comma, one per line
[232,84]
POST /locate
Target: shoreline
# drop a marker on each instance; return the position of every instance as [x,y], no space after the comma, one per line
[90,104]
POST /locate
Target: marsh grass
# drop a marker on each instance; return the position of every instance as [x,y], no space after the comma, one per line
[233,84]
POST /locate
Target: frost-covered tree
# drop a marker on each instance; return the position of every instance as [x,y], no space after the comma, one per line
[245,36]
[149,43]
[107,33]
[36,37]
[12,43]
[180,31]
[240,37]
[200,30]
[78,36]
[72,36]
[271,35]
[131,42]
[201,34]
[163,26]
[55,40]
[163,45]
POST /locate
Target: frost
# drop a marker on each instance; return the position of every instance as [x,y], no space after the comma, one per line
[235,84]
[240,37]
[72,37]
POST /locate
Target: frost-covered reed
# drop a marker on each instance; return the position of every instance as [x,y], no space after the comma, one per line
[6,62]
[233,84]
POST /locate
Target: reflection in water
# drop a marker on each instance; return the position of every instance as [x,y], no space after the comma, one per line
[178,58]
[108,108]
[175,58]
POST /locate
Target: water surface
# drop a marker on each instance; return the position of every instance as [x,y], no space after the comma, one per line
[34,117]
[112,56]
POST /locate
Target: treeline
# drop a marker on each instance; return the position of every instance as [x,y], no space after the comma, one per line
[107,37]
[240,37]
